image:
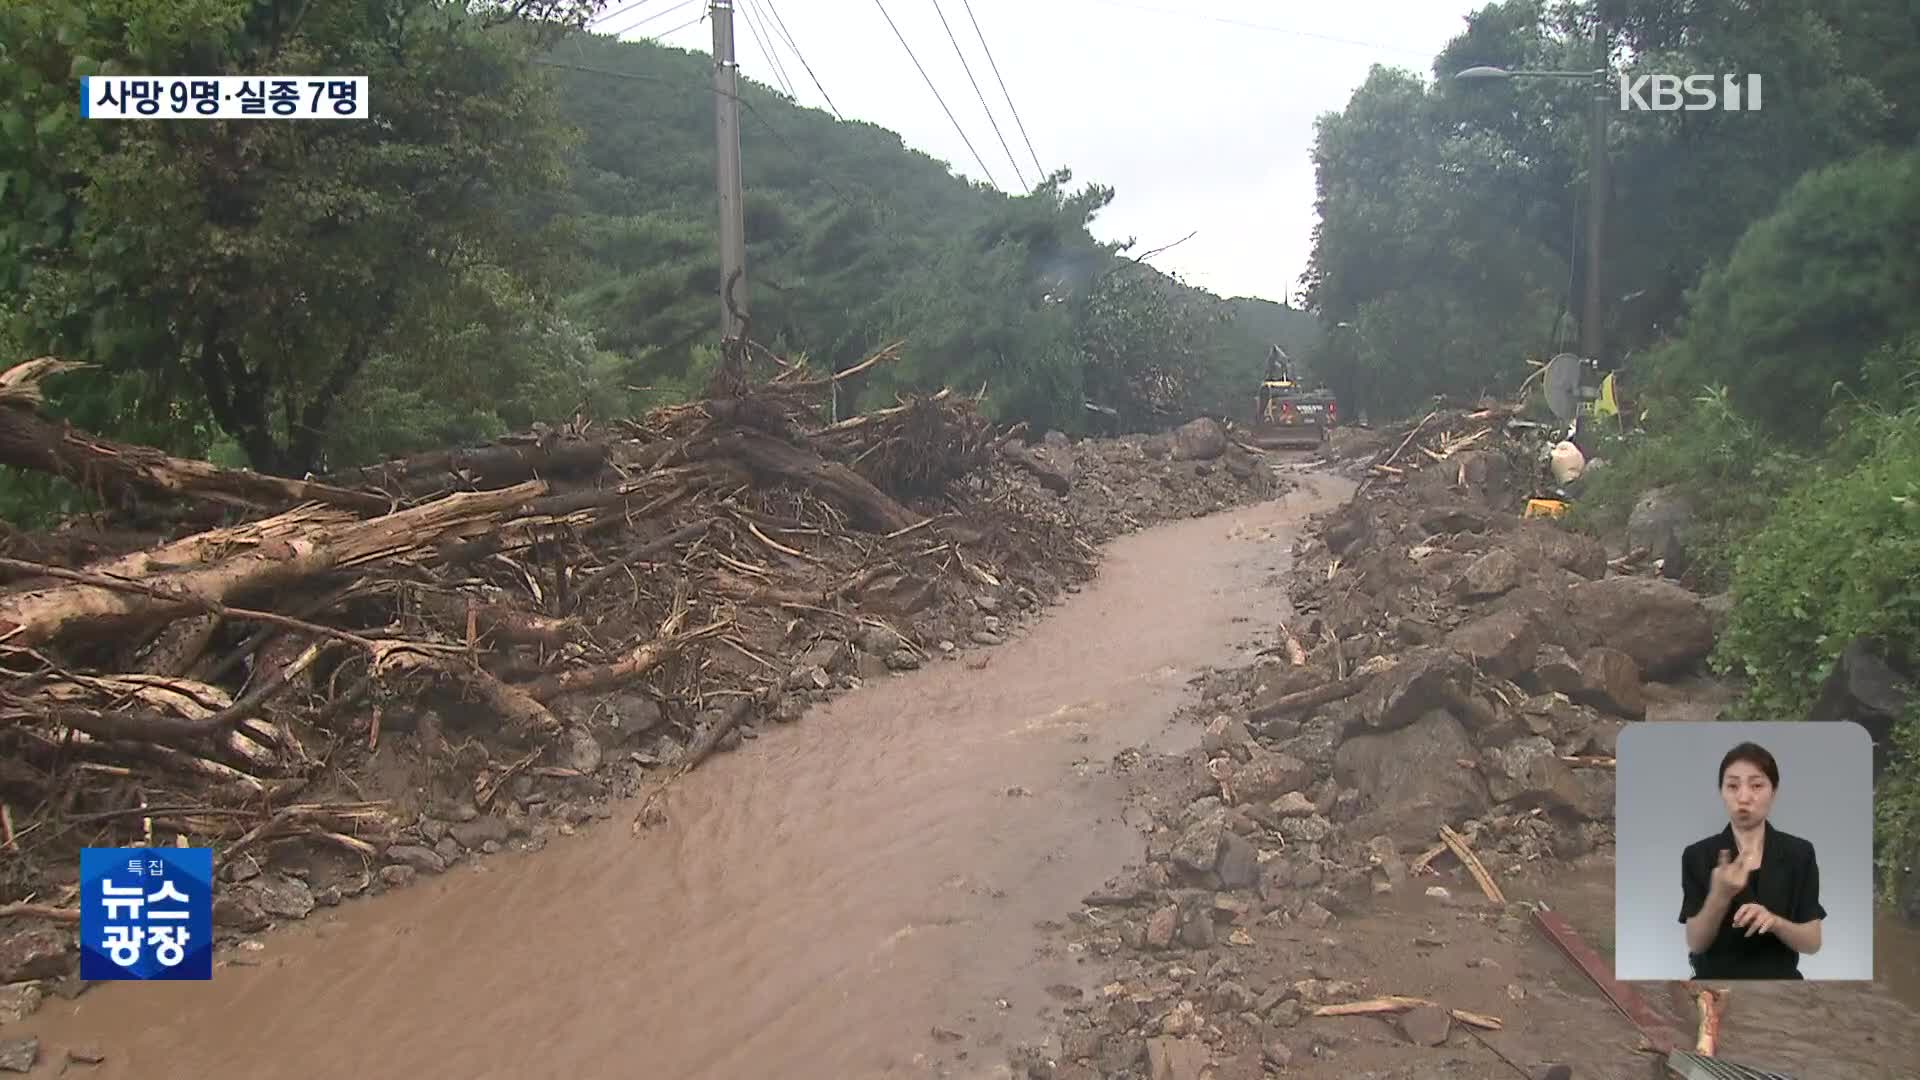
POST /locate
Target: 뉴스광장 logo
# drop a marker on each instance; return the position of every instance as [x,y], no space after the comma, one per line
[146,913]
[1690,93]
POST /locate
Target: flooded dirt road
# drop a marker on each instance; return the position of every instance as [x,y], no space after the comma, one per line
[819,905]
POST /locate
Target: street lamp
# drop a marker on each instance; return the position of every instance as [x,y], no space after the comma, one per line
[1590,337]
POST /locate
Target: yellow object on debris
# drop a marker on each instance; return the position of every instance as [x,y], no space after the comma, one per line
[1544,508]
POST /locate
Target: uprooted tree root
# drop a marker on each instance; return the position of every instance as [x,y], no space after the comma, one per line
[222,686]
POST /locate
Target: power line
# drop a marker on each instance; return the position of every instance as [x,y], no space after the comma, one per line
[632,26]
[606,17]
[760,41]
[936,95]
[846,201]
[991,122]
[695,21]
[644,20]
[781,25]
[1038,170]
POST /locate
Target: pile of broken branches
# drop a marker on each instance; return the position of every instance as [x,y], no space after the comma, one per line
[202,682]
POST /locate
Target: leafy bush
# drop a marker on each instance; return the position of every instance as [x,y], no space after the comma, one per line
[1703,447]
[1810,290]
[1838,559]
[1896,805]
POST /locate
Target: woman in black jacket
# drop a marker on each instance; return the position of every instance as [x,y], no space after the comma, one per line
[1750,893]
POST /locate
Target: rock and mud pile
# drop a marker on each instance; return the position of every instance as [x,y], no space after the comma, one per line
[344,684]
[1438,716]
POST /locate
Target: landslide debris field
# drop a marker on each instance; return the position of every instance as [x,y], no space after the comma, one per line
[343,685]
[1338,882]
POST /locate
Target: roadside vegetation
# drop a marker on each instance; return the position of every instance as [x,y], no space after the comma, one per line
[1762,273]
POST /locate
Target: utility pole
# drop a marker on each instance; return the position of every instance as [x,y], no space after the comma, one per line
[726,127]
[1591,338]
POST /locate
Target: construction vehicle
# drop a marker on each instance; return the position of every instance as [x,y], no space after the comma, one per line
[1286,414]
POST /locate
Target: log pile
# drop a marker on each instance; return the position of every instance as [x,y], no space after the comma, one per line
[217,684]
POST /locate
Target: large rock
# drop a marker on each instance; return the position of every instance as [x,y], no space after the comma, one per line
[1411,781]
[1176,1059]
[898,593]
[1549,612]
[1502,644]
[1610,680]
[1529,774]
[1554,671]
[1438,520]
[278,896]
[1424,679]
[1349,527]
[1199,440]
[1661,524]
[1483,474]
[1198,848]
[1492,574]
[1267,776]
[35,952]
[1555,546]
[1864,688]
[1665,628]
[613,719]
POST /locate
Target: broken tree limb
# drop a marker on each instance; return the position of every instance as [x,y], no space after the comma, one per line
[1051,477]
[498,621]
[483,467]
[772,459]
[1396,1003]
[40,911]
[525,718]
[650,812]
[1458,845]
[91,604]
[1403,442]
[31,441]
[638,661]
[1324,694]
[1296,655]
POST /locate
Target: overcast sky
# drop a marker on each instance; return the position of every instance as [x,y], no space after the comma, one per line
[1199,115]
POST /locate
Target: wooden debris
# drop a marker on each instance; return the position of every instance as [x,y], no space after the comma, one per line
[1302,700]
[1391,1004]
[1711,1005]
[1458,845]
[192,685]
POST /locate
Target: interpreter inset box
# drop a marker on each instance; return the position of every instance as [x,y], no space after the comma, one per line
[1743,851]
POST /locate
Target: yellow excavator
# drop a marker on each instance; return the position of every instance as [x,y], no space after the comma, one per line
[1287,415]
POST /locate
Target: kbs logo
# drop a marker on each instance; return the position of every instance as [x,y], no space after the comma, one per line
[1692,93]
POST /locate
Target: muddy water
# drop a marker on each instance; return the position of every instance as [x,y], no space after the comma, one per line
[820,903]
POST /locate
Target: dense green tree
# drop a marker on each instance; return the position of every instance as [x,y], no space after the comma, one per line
[261,267]
[1809,292]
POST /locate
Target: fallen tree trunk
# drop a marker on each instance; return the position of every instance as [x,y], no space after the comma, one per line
[1051,477]
[770,458]
[116,470]
[33,616]
[525,718]
[639,660]
[482,467]
[1325,694]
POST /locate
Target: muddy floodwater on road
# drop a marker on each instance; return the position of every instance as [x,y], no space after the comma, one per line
[862,894]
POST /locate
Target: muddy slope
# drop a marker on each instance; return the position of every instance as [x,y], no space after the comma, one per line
[1448,666]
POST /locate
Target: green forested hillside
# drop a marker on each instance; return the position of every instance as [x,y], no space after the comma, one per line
[527,230]
[1759,277]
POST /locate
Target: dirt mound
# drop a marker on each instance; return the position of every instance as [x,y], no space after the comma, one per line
[374,677]
[1438,717]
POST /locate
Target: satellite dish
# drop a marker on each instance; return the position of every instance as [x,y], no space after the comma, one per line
[1562,382]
